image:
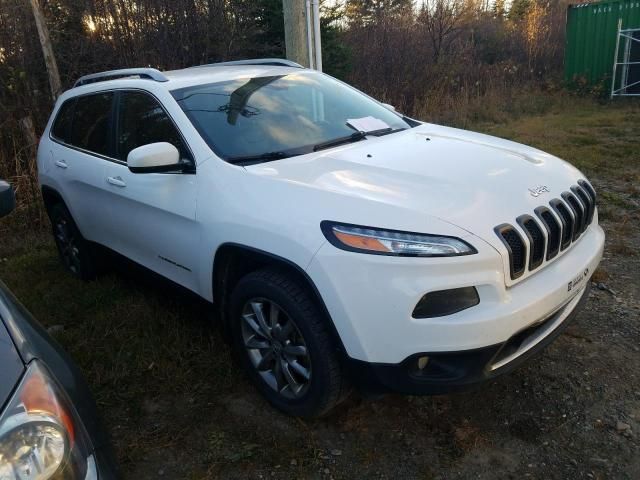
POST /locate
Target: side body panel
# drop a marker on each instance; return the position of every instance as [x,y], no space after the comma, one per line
[82,179]
[154,215]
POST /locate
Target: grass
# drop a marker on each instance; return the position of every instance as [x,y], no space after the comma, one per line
[160,372]
[599,139]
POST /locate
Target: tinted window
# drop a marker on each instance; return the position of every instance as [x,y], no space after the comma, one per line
[91,119]
[254,116]
[141,120]
[62,124]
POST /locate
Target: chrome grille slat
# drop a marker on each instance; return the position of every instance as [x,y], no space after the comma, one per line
[587,199]
[567,220]
[578,213]
[515,246]
[589,189]
[537,240]
[586,203]
[551,231]
[554,231]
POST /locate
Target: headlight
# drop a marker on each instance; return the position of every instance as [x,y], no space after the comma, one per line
[40,437]
[391,242]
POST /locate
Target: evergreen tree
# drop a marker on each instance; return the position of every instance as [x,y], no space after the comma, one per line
[499,9]
[270,28]
[519,9]
[363,12]
[336,55]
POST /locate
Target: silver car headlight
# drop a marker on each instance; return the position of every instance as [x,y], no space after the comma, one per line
[392,242]
[41,437]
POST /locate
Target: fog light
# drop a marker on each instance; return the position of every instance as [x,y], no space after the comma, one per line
[446,302]
[422,363]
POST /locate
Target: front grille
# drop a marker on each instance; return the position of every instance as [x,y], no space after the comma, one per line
[550,232]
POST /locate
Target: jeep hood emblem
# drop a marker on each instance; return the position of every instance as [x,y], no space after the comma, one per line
[537,191]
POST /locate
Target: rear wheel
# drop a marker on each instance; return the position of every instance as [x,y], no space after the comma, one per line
[75,252]
[282,341]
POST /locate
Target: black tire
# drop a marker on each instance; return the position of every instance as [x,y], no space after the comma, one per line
[326,384]
[75,252]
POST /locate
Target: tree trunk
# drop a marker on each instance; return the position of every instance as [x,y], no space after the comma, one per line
[47,50]
[29,131]
[295,32]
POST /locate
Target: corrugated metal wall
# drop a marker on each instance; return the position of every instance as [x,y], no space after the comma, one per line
[591,38]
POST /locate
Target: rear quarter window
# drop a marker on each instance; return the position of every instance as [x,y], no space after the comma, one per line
[61,129]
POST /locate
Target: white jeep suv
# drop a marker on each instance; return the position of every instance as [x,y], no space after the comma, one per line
[341,242]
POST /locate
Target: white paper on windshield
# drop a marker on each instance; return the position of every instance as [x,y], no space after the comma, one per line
[367,124]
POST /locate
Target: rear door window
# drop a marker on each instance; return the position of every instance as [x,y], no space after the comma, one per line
[141,121]
[90,128]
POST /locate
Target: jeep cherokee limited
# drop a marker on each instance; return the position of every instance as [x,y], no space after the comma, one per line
[342,242]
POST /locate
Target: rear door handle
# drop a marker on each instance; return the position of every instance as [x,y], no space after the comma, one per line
[117,181]
[61,164]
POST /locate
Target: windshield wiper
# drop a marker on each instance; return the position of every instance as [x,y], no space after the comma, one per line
[385,131]
[262,157]
[355,137]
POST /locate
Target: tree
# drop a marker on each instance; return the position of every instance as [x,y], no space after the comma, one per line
[442,20]
[270,26]
[47,50]
[519,9]
[336,55]
[499,9]
[363,12]
[536,31]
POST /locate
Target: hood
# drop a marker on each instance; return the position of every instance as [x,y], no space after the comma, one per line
[467,179]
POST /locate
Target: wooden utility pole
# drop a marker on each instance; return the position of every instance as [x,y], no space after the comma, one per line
[47,50]
[298,31]
[295,31]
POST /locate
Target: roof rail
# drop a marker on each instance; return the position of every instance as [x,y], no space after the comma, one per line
[278,62]
[148,73]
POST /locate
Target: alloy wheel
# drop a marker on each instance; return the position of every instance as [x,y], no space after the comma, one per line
[276,347]
[67,244]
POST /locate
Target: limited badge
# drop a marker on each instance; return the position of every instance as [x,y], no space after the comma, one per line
[579,279]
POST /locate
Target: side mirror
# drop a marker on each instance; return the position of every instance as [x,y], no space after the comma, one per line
[7,199]
[154,158]
[388,106]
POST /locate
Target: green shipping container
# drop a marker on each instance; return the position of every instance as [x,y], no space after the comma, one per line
[592,31]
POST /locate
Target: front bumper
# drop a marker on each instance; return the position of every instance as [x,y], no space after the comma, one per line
[370,298]
[447,372]
[103,465]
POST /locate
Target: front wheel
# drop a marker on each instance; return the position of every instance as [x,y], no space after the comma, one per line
[282,341]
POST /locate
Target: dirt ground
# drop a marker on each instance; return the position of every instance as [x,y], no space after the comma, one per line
[177,406]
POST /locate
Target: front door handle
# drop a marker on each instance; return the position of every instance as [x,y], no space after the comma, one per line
[61,164]
[117,181]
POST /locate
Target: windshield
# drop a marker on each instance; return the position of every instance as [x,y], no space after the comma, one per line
[267,118]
